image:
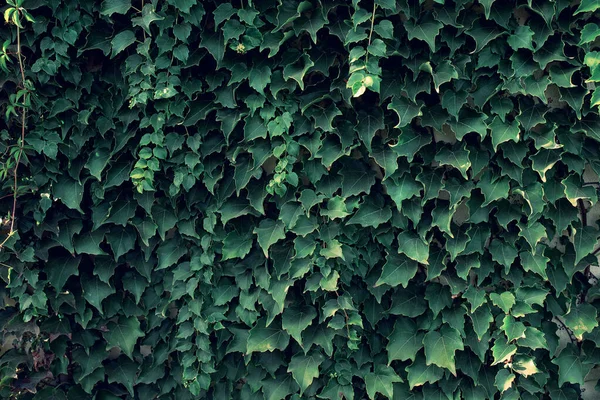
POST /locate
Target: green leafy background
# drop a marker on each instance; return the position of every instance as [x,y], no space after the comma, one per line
[304,199]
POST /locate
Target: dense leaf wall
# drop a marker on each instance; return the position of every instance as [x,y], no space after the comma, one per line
[298,199]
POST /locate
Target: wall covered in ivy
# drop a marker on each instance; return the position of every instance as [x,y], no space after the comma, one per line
[285,199]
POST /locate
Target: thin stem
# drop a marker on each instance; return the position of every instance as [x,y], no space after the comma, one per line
[370,33]
[20,153]
[569,332]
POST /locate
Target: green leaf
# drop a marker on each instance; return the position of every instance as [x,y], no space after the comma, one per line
[263,338]
[504,380]
[440,347]
[505,300]
[502,350]
[381,381]
[60,269]
[371,214]
[237,245]
[296,319]
[123,334]
[305,368]
[398,270]
[410,142]
[121,41]
[534,262]
[570,366]
[533,233]
[512,328]
[121,240]
[404,342]
[585,240]
[467,122]
[95,291]
[110,7]
[503,132]
[522,38]
[420,373]
[123,371]
[268,232]
[368,124]
[279,388]
[581,318]
[587,6]
[426,31]
[589,33]
[69,191]
[411,245]
[457,158]
[405,109]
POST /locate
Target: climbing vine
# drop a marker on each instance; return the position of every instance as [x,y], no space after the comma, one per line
[299,199]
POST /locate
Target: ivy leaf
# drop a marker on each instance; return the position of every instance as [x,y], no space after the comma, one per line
[504,380]
[589,33]
[535,263]
[264,338]
[368,124]
[581,318]
[468,122]
[110,7]
[371,214]
[269,232]
[69,191]
[404,342]
[296,319]
[457,158]
[405,109]
[305,368]
[59,270]
[410,142]
[398,270]
[123,334]
[521,39]
[503,132]
[502,350]
[587,6]
[574,190]
[237,245]
[121,41]
[584,241]
[570,366]
[440,347]
[505,301]
[413,247]
[420,373]
[279,388]
[95,291]
[426,31]
[381,381]
[493,190]
[533,233]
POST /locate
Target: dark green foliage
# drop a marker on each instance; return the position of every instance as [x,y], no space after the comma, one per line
[302,199]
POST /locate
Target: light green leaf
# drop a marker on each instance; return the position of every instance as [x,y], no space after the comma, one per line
[305,368]
[121,41]
[581,318]
[413,247]
[381,381]
[110,7]
[440,347]
[263,338]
